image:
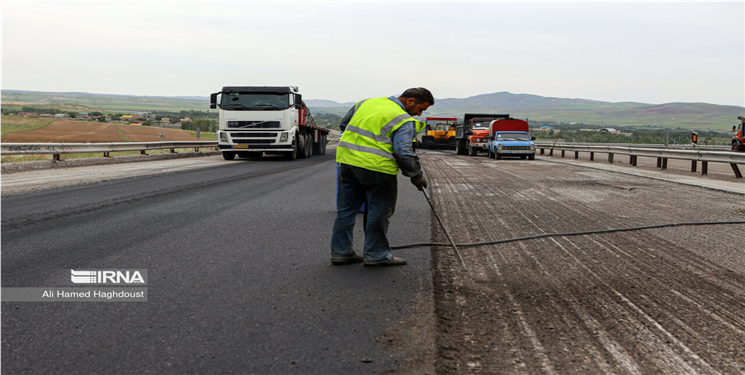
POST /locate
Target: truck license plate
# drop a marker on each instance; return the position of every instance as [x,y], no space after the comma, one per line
[240,146]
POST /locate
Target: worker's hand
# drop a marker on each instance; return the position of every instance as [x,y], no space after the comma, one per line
[419,181]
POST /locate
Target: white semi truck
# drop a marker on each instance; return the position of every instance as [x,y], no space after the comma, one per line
[257,120]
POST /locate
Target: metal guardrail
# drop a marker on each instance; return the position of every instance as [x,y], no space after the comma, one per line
[662,154]
[640,145]
[81,148]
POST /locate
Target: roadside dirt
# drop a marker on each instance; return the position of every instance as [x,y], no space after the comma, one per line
[147,134]
[66,131]
[668,300]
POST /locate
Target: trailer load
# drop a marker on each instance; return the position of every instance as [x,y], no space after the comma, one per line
[258,120]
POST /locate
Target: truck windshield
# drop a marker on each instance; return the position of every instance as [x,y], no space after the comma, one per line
[513,137]
[481,125]
[254,101]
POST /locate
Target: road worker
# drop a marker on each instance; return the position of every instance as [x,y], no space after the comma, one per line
[377,141]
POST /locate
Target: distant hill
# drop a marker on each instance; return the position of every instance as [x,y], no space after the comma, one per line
[540,108]
[321,103]
[533,107]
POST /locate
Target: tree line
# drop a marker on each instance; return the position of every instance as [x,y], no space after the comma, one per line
[204,124]
[327,120]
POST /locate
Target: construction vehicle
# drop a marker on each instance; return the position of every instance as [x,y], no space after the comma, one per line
[258,120]
[510,137]
[440,133]
[471,136]
[738,140]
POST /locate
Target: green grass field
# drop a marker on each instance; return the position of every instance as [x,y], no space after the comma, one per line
[204,136]
[85,102]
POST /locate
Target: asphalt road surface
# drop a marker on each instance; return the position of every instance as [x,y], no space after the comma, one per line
[668,300]
[239,276]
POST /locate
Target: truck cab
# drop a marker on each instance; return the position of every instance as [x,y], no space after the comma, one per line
[257,120]
[510,137]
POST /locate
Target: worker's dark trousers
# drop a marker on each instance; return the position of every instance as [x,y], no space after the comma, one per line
[356,186]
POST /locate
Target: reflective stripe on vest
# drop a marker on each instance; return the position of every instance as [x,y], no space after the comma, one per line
[366,142]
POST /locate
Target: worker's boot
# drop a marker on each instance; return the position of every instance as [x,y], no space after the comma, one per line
[340,262]
[392,262]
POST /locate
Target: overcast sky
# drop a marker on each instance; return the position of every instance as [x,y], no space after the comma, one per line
[642,52]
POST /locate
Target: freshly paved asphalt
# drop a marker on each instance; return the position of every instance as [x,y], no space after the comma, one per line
[239,274]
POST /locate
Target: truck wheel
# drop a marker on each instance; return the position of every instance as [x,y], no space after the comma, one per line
[531,157]
[317,147]
[735,146]
[325,142]
[292,155]
[302,147]
[472,151]
[308,146]
[228,155]
[491,154]
[497,156]
[460,147]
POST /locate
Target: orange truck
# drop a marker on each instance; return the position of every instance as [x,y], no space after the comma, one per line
[440,133]
[472,135]
[738,141]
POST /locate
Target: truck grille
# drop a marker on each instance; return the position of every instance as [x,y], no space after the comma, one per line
[254,124]
[516,148]
[253,141]
[253,135]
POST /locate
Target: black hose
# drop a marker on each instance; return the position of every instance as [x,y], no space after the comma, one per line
[565,234]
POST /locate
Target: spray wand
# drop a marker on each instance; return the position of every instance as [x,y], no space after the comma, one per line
[445,230]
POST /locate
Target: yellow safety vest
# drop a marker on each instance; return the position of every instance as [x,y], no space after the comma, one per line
[366,142]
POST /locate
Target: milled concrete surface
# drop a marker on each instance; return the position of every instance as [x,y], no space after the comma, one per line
[732,184]
[665,300]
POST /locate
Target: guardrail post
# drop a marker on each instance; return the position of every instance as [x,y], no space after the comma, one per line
[736,170]
[57,157]
[142,152]
[694,164]
[610,157]
[659,162]
[704,168]
[632,160]
[106,154]
[562,153]
[173,150]
[592,156]
[551,152]
[542,151]
[576,154]
[664,163]
[196,149]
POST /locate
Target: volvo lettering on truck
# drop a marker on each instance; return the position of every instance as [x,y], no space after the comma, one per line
[266,120]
